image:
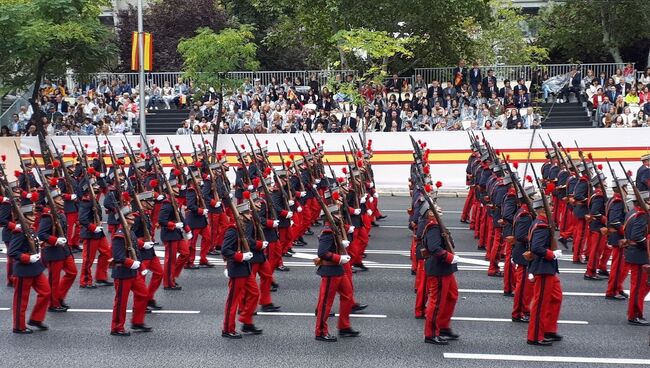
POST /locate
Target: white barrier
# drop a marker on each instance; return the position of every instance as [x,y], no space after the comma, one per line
[393,151]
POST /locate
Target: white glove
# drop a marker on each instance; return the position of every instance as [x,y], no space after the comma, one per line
[371,185]
[557,253]
[183,187]
[206,213]
[314,186]
[376,195]
[34,258]
[250,187]
[291,222]
[73,197]
[303,194]
[265,244]
[289,214]
[317,181]
[369,212]
[18,227]
[276,223]
[148,245]
[178,225]
[217,205]
[144,272]
[371,199]
[351,229]
[247,256]
[230,195]
[291,203]
[102,175]
[187,236]
[363,200]
[299,209]
[531,277]
[346,243]
[455,259]
[344,259]
[225,272]
[29,195]
[160,197]
[61,241]
[135,265]
[5,199]
[357,211]
[98,229]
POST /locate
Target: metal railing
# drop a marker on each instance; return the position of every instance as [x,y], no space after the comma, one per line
[14,108]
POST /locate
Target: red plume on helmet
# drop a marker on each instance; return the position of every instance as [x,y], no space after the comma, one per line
[424,144]
[426,169]
[3,157]
[224,152]
[246,194]
[497,152]
[105,142]
[559,144]
[86,145]
[120,161]
[74,154]
[629,173]
[152,141]
[336,196]
[242,146]
[219,156]
[54,182]
[359,154]
[256,182]
[139,145]
[345,170]
[156,150]
[206,141]
[178,147]
[360,163]
[292,157]
[126,198]
[92,171]
[267,171]
[56,164]
[153,183]
[438,184]
[93,154]
[550,187]
[508,157]
[590,156]
[63,147]
[340,179]
[288,163]
[177,173]
[17,173]
[142,156]
[515,165]
[35,196]
[427,188]
[600,166]
[198,164]
[258,144]
[529,178]
[322,141]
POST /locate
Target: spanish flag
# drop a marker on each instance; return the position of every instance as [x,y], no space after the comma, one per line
[148,52]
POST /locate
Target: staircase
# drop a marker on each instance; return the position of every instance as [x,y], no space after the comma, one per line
[565,115]
[165,121]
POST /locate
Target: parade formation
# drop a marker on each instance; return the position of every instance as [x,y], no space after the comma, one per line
[115,206]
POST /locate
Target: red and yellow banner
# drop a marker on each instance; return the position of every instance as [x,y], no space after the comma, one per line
[148,52]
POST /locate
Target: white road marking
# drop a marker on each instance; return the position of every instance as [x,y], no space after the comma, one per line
[565,293]
[478,319]
[546,358]
[404,211]
[88,310]
[298,314]
[406,228]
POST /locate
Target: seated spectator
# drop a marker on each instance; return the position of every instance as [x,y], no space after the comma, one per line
[631,99]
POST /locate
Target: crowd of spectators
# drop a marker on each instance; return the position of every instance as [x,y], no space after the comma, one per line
[472,98]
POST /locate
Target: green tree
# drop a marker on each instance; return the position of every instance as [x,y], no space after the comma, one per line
[593,29]
[48,37]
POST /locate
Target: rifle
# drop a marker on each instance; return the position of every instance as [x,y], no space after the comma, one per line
[584,163]
[296,169]
[353,181]
[138,174]
[337,228]
[620,189]
[152,158]
[66,175]
[243,240]
[446,235]
[642,203]
[199,193]
[138,204]
[100,156]
[547,210]
[24,168]
[281,158]
[128,244]
[93,199]
[519,187]
[32,239]
[598,173]
[50,201]
[569,160]
[168,187]
[256,220]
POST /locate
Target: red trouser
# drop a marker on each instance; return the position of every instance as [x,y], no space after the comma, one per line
[112,228]
[478,222]
[218,224]
[443,294]
[495,251]
[10,274]
[474,215]
[329,286]
[174,263]
[638,291]
[314,210]
[91,247]
[304,220]
[604,257]
[205,245]
[597,244]
[618,273]
[567,225]
[275,255]
[580,230]
[545,307]
[123,287]
[236,291]
[155,213]
[561,213]
[468,205]
[266,276]
[508,270]
[249,300]
[347,272]
[156,270]
[414,261]
[556,208]
[73,230]
[21,299]
[285,240]
[358,245]
[420,289]
[60,286]
[523,292]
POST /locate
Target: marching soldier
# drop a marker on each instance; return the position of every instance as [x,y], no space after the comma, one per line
[505,219]
[197,220]
[636,256]
[269,225]
[597,232]
[71,207]
[28,272]
[616,213]
[579,202]
[521,223]
[125,272]
[547,292]
[643,174]
[174,234]
[7,223]
[57,255]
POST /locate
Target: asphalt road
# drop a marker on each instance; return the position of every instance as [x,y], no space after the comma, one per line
[595,329]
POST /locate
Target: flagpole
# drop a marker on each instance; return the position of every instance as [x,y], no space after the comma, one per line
[143,124]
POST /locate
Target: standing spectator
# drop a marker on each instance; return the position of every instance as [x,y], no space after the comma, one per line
[489,78]
[460,75]
[16,125]
[180,93]
[475,77]
[522,99]
[394,84]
